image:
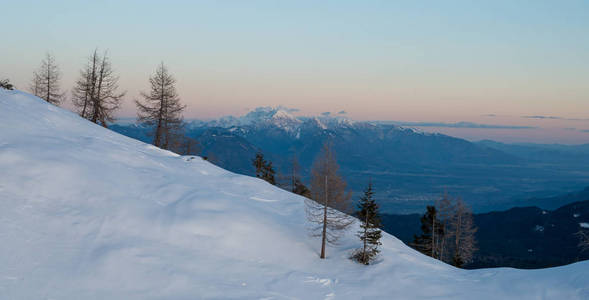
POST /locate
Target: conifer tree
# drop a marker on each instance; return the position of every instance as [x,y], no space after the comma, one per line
[432,232]
[258,162]
[268,173]
[95,93]
[161,109]
[264,169]
[370,233]
[45,82]
[5,84]
[448,232]
[330,202]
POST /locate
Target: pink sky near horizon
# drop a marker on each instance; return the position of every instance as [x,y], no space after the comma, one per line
[407,61]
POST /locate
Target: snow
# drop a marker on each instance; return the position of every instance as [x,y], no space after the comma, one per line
[279,116]
[584,225]
[86,213]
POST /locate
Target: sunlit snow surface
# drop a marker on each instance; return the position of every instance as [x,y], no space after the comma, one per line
[86,213]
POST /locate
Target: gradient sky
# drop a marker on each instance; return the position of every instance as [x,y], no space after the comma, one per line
[413,61]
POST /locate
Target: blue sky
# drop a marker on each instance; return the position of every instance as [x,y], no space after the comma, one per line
[411,61]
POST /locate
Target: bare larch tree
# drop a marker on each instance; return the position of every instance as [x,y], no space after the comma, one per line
[95,93]
[462,231]
[161,108]
[445,213]
[329,201]
[83,88]
[294,176]
[295,183]
[45,82]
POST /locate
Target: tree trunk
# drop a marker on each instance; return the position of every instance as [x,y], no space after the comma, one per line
[48,82]
[433,236]
[324,232]
[365,236]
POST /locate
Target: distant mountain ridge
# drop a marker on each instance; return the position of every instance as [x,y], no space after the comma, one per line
[408,167]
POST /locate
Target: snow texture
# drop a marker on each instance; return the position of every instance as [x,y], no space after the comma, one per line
[86,213]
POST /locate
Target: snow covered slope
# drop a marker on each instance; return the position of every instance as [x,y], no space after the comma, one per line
[86,213]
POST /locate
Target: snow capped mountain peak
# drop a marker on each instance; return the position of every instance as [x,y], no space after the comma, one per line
[280,114]
[269,113]
[280,117]
[315,122]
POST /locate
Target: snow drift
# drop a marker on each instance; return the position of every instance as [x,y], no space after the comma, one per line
[86,213]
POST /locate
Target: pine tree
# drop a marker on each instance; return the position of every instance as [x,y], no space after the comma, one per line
[432,232]
[370,224]
[268,173]
[162,110]
[95,93]
[258,162]
[330,202]
[45,82]
[264,169]
[5,84]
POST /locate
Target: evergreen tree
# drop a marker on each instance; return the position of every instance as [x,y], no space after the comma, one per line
[268,173]
[433,231]
[45,83]
[448,232]
[95,93]
[162,110]
[370,224]
[329,200]
[258,162]
[264,169]
[5,84]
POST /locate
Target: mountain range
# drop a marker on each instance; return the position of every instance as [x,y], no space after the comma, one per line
[409,168]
